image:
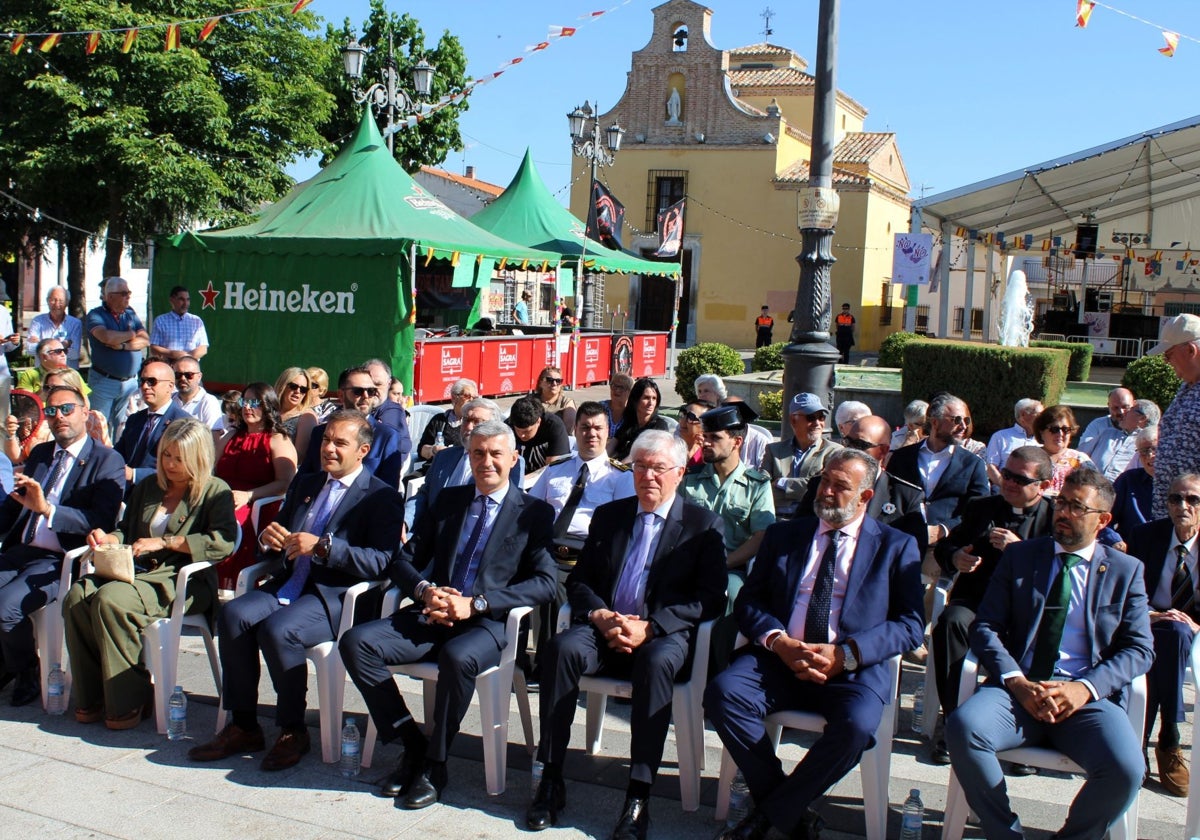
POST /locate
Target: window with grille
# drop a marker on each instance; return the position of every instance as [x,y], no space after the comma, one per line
[663,188]
[922,320]
[958,319]
[1181,308]
[885,305]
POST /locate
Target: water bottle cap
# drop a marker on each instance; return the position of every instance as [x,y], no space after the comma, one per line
[915,792]
[56,666]
[179,688]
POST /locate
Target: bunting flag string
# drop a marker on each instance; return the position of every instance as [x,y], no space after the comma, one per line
[1083,15]
[1172,39]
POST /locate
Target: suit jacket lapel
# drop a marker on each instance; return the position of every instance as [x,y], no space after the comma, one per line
[505,523]
[667,538]
[1040,578]
[864,557]
[620,546]
[796,561]
[446,548]
[350,498]
[1096,593]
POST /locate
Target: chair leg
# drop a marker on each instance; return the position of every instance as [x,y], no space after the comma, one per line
[214,661]
[492,732]
[597,704]
[955,818]
[932,706]
[684,715]
[320,659]
[874,774]
[521,689]
[724,780]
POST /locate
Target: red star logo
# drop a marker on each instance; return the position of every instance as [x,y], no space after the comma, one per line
[210,297]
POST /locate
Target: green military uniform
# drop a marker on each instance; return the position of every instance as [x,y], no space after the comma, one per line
[744,502]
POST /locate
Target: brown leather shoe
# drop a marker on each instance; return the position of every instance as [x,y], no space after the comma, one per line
[288,750]
[91,714]
[130,719]
[232,740]
[1173,770]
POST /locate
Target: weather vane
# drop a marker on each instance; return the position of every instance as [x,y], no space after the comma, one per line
[766,15]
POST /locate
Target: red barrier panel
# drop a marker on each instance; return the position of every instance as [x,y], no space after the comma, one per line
[649,354]
[506,366]
[438,364]
[590,359]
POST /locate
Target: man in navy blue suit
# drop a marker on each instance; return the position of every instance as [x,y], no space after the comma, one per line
[69,488]
[827,603]
[138,444]
[1062,631]
[385,461]
[1168,551]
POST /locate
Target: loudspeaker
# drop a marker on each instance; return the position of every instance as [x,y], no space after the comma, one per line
[1085,240]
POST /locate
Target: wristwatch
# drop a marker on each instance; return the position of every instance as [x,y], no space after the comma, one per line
[850,664]
[479,605]
[321,549]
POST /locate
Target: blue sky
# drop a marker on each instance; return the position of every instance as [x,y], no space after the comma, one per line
[971,89]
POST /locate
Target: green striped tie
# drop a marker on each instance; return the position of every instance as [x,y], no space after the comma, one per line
[1054,618]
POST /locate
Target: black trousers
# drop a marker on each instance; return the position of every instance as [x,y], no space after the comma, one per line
[951,637]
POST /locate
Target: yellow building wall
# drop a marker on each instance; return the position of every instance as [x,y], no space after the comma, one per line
[798,109]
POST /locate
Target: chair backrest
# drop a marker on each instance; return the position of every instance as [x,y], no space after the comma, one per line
[418,418]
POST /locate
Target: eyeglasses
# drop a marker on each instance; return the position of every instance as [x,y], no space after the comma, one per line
[860,444]
[186,374]
[66,409]
[816,416]
[552,380]
[1178,499]
[250,404]
[1147,450]
[125,293]
[300,389]
[357,392]
[652,470]
[151,381]
[1060,430]
[959,421]
[689,417]
[1074,508]
[56,351]
[1017,478]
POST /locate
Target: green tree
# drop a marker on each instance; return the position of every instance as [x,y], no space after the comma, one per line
[133,145]
[432,138]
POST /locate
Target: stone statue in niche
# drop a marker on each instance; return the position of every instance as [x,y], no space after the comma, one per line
[674,104]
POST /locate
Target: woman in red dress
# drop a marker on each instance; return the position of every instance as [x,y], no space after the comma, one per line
[257,460]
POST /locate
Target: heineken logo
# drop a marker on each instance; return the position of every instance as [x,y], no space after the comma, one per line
[508,357]
[262,298]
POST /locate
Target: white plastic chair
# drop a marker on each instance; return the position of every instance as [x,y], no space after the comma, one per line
[875,766]
[493,686]
[1192,824]
[327,662]
[955,817]
[48,628]
[256,511]
[929,718]
[687,711]
[418,418]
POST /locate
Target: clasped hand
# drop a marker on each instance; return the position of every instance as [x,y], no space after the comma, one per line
[293,545]
[445,605]
[1050,701]
[816,663]
[624,633]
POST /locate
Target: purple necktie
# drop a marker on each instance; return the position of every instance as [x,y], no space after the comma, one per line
[60,459]
[626,598]
[468,561]
[291,590]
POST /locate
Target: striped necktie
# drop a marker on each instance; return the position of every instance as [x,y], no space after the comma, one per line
[1183,588]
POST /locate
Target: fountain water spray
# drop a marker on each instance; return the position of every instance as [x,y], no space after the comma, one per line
[1016,312]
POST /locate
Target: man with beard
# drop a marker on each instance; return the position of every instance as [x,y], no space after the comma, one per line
[1062,631]
[388,448]
[827,603]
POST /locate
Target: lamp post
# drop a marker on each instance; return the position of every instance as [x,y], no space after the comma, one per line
[809,358]
[387,95]
[590,148]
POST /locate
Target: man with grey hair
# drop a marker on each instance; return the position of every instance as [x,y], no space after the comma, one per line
[56,323]
[915,415]
[1020,434]
[443,429]
[486,549]
[710,388]
[827,603]
[1143,414]
[1179,432]
[1104,432]
[652,569]
[116,338]
[846,413]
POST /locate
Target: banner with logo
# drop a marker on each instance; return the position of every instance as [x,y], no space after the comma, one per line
[670,229]
[606,216]
[910,258]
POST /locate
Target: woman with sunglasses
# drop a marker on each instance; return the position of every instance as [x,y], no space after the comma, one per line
[296,417]
[257,459]
[641,413]
[1054,429]
[692,435]
[18,449]
[549,390]
[319,399]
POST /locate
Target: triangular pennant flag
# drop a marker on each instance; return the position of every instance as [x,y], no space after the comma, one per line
[562,31]
[208,28]
[300,6]
[93,41]
[171,41]
[537,47]
[17,43]
[130,36]
[50,42]
[1172,39]
[1083,13]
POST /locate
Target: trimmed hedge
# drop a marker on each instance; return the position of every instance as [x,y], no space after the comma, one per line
[711,357]
[771,405]
[769,357]
[1080,367]
[1152,378]
[989,378]
[891,349]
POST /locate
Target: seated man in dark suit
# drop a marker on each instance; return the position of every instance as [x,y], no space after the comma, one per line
[69,487]
[970,553]
[652,568]
[1062,631]
[138,444]
[490,544]
[389,412]
[1168,551]
[335,528]
[827,603]
[386,458]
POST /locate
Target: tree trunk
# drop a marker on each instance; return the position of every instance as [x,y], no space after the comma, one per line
[77,273]
[114,243]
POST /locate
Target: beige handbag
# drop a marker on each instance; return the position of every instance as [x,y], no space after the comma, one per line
[113,562]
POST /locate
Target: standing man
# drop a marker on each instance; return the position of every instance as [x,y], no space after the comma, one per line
[179,333]
[520,310]
[1062,631]
[1179,429]
[191,396]
[650,572]
[69,488]
[1168,551]
[138,444]
[827,603]
[9,341]
[490,543]
[1021,433]
[845,332]
[763,325]
[116,339]
[56,323]
[1103,433]
[336,528]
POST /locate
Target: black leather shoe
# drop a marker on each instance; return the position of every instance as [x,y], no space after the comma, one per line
[426,788]
[409,768]
[550,799]
[1022,770]
[635,819]
[940,754]
[28,686]
[754,826]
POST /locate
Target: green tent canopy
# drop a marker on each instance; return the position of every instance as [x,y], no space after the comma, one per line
[324,277]
[526,212]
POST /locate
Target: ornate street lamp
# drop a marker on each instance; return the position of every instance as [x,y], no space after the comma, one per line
[387,95]
[591,149]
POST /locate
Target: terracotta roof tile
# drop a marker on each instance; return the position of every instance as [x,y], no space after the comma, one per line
[861,146]
[761,48]
[773,77]
[462,180]
[798,173]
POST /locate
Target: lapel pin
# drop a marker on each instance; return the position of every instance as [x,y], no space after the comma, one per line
[889,508]
[1103,569]
[307,499]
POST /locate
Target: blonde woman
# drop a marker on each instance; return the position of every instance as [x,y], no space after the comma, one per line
[179,515]
[317,395]
[295,416]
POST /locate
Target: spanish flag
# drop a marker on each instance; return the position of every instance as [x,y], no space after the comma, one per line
[93,41]
[208,28]
[562,31]
[171,42]
[300,6]
[1172,39]
[1083,13]
[17,43]
[51,42]
[130,36]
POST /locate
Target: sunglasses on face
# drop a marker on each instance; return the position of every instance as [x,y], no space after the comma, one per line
[357,392]
[1178,499]
[689,416]
[816,417]
[151,381]
[250,404]
[1060,430]
[186,374]
[552,380]
[959,421]
[860,444]
[66,409]
[299,389]
[1017,478]
[56,351]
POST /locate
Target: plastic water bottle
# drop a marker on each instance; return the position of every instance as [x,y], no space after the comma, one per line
[739,800]
[535,775]
[350,749]
[177,715]
[440,440]
[912,823]
[918,709]
[56,690]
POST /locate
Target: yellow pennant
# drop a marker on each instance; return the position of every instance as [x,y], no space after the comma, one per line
[171,42]
[1083,13]
[17,43]
[51,42]
[93,41]
[208,28]
[1172,39]
[130,37]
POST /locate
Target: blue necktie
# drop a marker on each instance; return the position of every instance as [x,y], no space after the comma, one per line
[816,619]
[56,469]
[291,590]
[626,598]
[139,450]
[468,560]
